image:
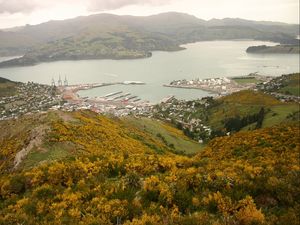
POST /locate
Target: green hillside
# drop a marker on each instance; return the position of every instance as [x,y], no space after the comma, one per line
[288,84]
[247,104]
[207,118]
[169,135]
[291,85]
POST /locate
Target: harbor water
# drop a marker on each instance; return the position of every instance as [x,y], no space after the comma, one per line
[200,60]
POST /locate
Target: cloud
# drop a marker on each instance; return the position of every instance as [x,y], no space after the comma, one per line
[27,6]
[101,5]
[15,6]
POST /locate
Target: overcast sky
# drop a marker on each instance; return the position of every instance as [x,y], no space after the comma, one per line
[21,12]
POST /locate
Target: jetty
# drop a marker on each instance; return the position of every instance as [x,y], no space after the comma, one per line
[136,100]
[113,94]
[122,96]
[130,98]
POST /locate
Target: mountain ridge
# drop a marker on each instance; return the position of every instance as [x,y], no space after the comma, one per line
[266,22]
[109,36]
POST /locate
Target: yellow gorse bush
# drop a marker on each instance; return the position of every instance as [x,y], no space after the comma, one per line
[116,177]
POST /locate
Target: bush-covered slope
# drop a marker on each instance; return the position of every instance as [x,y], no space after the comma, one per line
[114,173]
[56,135]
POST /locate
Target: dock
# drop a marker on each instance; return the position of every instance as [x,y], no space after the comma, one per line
[133,97]
[113,94]
[167,99]
[136,100]
[122,96]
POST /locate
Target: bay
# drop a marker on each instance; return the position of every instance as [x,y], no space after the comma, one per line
[200,60]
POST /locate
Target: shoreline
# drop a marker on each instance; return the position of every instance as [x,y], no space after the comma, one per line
[180,47]
[191,87]
[219,85]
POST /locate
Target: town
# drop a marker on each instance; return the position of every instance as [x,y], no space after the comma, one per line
[29,98]
[32,97]
[189,116]
[223,85]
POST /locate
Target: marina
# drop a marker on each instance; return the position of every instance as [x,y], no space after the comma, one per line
[117,103]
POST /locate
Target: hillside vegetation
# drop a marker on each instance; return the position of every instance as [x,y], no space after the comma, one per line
[55,134]
[249,110]
[288,84]
[82,168]
[7,87]
[173,137]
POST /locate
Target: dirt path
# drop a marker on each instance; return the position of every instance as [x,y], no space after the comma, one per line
[36,139]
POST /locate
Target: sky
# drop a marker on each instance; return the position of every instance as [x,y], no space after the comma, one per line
[20,12]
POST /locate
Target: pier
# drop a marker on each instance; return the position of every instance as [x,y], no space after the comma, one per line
[130,98]
[167,99]
[113,94]
[122,96]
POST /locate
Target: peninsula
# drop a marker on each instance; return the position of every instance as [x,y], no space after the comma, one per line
[107,36]
[278,49]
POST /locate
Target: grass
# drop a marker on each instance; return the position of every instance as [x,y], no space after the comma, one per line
[246,80]
[225,111]
[278,114]
[55,152]
[248,103]
[249,97]
[291,85]
[241,104]
[290,90]
[171,135]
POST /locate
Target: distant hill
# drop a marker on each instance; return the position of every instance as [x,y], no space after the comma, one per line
[278,49]
[103,36]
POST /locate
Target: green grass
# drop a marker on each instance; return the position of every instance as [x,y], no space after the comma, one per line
[291,85]
[248,103]
[172,135]
[55,152]
[229,110]
[245,80]
[278,114]
[290,90]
